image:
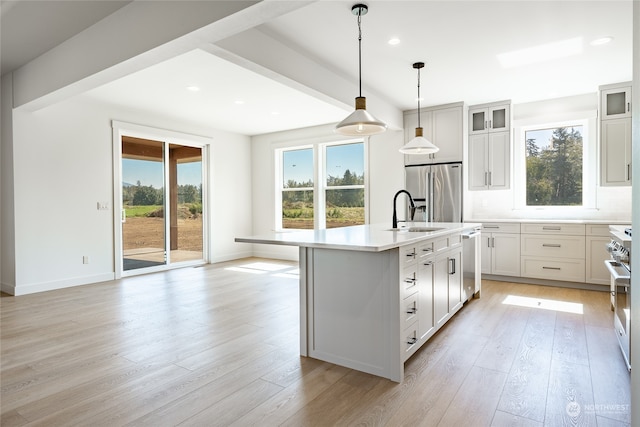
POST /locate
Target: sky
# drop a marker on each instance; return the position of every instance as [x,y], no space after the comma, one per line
[298,164]
[543,136]
[151,173]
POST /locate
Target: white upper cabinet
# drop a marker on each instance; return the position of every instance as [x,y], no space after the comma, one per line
[444,126]
[615,103]
[489,146]
[615,135]
[496,118]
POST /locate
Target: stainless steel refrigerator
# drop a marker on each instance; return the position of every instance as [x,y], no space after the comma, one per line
[436,190]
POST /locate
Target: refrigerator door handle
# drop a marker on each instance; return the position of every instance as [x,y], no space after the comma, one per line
[431,191]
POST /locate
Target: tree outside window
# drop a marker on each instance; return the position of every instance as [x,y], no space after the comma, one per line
[554,159]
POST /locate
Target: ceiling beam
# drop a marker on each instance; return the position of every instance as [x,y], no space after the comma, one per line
[257,51]
[115,46]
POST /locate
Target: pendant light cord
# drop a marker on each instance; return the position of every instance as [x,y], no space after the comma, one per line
[360,51]
[419,97]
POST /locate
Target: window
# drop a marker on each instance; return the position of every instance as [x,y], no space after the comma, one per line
[322,186]
[297,188]
[554,166]
[344,194]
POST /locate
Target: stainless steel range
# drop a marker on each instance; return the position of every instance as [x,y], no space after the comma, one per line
[620,268]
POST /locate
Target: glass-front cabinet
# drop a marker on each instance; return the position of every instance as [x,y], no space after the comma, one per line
[489,119]
[616,103]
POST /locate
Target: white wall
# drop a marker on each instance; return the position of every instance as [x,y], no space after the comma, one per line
[7,237]
[386,176]
[611,203]
[63,167]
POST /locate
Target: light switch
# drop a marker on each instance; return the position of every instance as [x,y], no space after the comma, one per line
[103,206]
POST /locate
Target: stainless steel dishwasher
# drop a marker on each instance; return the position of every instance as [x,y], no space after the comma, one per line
[471,280]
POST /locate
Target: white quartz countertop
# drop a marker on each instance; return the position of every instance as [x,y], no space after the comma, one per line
[371,238]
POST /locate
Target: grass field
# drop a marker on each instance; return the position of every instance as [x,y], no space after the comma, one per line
[336,217]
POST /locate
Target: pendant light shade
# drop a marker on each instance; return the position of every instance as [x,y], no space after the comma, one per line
[419,144]
[360,122]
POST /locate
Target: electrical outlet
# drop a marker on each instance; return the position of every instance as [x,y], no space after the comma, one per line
[85,259]
[103,206]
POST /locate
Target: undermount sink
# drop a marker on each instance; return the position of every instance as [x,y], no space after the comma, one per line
[416,229]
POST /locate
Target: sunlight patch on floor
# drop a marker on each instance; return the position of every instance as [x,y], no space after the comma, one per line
[545,304]
[279,270]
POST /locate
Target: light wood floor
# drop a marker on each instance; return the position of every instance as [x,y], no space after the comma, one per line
[218,345]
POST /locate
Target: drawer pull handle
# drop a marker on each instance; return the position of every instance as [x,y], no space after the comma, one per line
[551,268]
[427,263]
[412,341]
[551,245]
[552,228]
[427,250]
[412,311]
[490,226]
[409,280]
[412,254]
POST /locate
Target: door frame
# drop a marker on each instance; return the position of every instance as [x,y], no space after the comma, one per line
[120,129]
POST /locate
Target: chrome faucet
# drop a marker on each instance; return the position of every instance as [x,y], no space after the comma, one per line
[411,204]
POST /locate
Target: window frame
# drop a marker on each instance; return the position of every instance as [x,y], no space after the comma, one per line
[589,163]
[319,180]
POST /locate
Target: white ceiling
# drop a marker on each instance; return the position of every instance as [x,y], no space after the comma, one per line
[458,40]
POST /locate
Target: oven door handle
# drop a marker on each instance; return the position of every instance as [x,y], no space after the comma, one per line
[614,268]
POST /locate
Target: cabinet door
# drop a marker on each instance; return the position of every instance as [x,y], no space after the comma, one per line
[499,118]
[506,254]
[499,161]
[596,253]
[478,120]
[616,152]
[441,290]
[447,134]
[615,103]
[478,161]
[486,253]
[455,281]
[425,298]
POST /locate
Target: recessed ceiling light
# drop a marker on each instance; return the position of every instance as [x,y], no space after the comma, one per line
[193,88]
[394,41]
[238,102]
[541,53]
[275,113]
[600,41]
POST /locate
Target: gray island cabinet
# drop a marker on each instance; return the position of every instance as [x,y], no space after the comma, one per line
[370,297]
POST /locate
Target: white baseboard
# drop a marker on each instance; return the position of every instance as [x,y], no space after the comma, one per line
[59,284]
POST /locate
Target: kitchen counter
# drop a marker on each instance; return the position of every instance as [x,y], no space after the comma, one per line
[370,238]
[371,296]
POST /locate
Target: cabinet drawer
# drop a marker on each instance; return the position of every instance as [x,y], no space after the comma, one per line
[409,282]
[501,227]
[409,310]
[425,250]
[408,255]
[553,246]
[597,230]
[571,270]
[409,339]
[569,229]
[455,240]
[440,244]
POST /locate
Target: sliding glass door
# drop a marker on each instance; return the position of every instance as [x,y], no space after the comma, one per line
[162,215]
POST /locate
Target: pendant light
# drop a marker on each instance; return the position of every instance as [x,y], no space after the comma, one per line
[419,144]
[360,122]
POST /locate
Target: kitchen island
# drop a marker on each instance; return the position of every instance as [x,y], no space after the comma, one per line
[370,296]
